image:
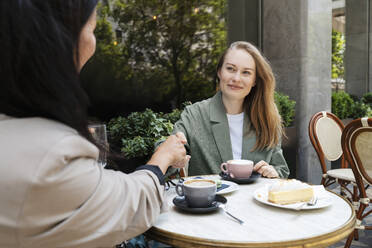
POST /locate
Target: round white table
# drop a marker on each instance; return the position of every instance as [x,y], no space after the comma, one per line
[265,226]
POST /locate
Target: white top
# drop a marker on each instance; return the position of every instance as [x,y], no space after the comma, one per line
[263,223]
[236,133]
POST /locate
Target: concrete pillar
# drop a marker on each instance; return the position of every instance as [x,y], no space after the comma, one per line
[296,38]
[358,66]
[244,21]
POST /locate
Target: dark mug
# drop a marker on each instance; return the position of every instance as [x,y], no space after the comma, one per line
[199,193]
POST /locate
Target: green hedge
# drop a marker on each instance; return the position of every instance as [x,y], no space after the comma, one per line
[286,108]
[344,106]
[136,134]
[367,98]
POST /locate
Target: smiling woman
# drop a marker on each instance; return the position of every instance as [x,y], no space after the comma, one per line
[241,121]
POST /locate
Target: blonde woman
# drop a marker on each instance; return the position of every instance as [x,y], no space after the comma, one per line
[241,121]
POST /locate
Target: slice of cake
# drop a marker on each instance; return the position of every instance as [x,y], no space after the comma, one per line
[290,191]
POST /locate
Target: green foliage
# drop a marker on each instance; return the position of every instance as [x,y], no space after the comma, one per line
[137,133]
[175,115]
[163,61]
[367,98]
[286,108]
[342,105]
[338,49]
[183,39]
[361,109]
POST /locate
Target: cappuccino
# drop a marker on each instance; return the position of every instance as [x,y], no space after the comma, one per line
[199,183]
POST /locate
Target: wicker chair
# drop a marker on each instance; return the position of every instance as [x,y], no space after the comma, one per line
[325,130]
[357,147]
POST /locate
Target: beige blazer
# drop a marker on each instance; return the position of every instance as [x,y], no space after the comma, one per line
[53,193]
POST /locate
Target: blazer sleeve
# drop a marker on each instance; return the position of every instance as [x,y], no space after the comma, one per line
[278,162]
[183,125]
[74,202]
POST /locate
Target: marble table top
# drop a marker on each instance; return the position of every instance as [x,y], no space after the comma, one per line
[265,226]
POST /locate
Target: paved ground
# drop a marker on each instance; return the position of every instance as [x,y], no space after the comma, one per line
[365,240]
[365,236]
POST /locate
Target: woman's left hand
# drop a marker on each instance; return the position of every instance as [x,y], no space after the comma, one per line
[265,169]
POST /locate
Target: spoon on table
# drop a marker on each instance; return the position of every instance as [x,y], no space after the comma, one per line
[223,207]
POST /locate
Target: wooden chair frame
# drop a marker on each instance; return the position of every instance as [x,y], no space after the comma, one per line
[363,180]
[328,180]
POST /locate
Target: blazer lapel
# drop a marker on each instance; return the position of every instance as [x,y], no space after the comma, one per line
[220,127]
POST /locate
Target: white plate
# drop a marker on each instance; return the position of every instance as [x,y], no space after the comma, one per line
[232,187]
[323,201]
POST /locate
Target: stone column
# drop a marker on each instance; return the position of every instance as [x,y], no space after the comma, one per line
[244,21]
[296,38]
[358,71]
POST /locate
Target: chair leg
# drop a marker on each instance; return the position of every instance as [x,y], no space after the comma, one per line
[355,193]
[359,215]
[349,240]
[323,182]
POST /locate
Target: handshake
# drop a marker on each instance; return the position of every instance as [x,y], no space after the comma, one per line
[171,152]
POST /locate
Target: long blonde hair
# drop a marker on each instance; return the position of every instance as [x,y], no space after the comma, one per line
[259,104]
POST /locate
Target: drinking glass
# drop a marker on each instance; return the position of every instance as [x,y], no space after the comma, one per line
[99,133]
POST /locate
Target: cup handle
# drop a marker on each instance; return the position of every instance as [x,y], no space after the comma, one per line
[223,167]
[179,189]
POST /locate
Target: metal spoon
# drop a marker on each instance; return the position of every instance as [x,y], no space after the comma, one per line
[223,207]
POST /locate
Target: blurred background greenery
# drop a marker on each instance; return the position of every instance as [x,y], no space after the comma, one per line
[158,55]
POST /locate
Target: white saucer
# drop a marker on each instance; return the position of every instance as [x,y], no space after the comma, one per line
[231,187]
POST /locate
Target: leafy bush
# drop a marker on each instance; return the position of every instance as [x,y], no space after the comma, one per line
[342,105]
[360,109]
[175,115]
[135,135]
[286,108]
[349,106]
[367,98]
[338,50]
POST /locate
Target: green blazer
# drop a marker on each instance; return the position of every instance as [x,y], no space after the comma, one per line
[206,128]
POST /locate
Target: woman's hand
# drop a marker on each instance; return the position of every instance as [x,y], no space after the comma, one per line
[182,163]
[265,169]
[171,152]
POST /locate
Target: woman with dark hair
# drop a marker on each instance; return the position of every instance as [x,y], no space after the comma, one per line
[241,121]
[52,191]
